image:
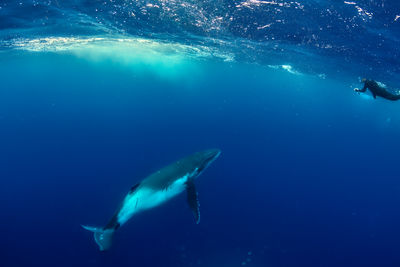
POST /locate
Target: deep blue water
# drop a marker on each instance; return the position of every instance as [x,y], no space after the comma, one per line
[92,100]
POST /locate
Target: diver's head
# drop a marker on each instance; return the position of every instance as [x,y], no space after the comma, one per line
[363,80]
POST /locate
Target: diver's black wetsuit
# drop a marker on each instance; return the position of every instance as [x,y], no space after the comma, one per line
[378,90]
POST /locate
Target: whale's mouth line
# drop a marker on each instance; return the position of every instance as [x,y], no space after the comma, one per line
[209,160]
[213,157]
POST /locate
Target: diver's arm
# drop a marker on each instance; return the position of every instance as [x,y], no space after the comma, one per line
[362,90]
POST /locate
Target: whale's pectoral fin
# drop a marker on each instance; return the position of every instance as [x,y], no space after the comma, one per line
[193,199]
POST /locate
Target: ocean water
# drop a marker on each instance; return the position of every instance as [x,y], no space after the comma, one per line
[95,96]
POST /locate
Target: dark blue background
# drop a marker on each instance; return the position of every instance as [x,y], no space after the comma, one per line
[308,174]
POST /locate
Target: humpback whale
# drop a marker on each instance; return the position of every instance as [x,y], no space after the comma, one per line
[156,189]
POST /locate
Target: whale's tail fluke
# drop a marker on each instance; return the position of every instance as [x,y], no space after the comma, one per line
[103,237]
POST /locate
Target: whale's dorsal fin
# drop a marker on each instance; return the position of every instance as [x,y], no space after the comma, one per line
[133,188]
[193,199]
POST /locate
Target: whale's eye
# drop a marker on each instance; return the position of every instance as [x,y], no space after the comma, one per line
[201,168]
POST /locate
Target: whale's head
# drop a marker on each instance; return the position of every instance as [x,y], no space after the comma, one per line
[205,158]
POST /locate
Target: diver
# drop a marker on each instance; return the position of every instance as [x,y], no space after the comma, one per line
[377,89]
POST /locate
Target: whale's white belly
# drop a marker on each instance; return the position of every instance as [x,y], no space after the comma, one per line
[147,198]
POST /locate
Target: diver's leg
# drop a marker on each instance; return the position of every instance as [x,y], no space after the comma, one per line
[392,97]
